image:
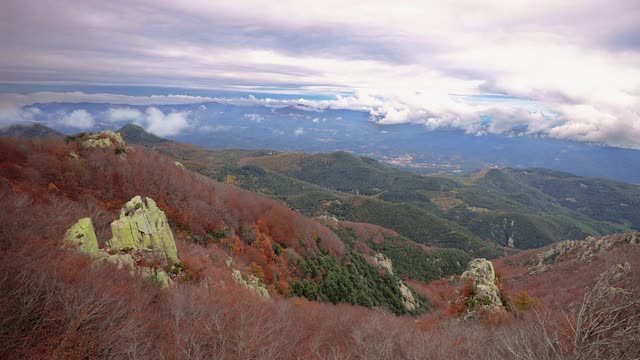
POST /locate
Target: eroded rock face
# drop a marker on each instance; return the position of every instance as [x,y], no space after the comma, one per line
[83,236]
[143,227]
[409,301]
[252,283]
[485,288]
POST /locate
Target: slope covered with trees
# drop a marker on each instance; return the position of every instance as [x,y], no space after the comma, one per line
[267,239]
[57,303]
[511,208]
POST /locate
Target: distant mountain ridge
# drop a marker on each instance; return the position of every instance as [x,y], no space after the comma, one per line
[29,131]
[410,146]
[136,134]
[512,208]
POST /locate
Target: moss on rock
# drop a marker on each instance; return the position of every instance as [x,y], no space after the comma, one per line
[142,225]
[83,235]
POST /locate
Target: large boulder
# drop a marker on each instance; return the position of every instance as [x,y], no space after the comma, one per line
[485,291]
[143,227]
[83,236]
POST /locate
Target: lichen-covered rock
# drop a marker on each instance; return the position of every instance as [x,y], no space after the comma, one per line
[251,283]
[483,278]
[143,227]
[102,139]
[160,277]
[83,235]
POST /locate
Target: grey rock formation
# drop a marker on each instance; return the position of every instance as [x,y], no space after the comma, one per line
[485,288]
[251,283]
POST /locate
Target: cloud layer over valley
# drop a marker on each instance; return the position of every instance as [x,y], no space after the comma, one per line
[567,70]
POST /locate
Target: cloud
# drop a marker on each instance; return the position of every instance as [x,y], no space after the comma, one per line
[254,117]
[163,124]
[123,114]
[476,115]
[298,132]
[152,119]
[80,119]
[578,61]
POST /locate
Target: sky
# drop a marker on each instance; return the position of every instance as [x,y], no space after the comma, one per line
[562,69]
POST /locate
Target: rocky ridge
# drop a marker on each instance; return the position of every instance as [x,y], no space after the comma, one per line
[583,249]
[99,140]
[142,241]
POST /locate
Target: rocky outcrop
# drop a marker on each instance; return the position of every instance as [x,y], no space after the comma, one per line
[141,242]
[485,292]
[584,249]
[83,236]
[251,283]
[143,227]
[409,301]
[550,255]
[102,139]
[382,261]
[99,140]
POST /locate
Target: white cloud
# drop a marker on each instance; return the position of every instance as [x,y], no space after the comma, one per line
[298,132]
[162,124]
[254,117]
[123,114]
[577,59]
[80,119]
[153,119]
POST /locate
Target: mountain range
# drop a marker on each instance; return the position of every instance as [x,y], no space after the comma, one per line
[304,129]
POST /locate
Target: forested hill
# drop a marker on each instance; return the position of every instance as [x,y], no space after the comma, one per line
[511,208]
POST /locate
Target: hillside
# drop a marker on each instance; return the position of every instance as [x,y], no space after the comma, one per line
[250,277]
[29,131]
[510,208]
[264,237]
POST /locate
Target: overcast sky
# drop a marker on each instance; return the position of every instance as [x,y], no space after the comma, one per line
[568,69]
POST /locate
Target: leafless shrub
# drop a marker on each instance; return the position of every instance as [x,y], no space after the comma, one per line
[606,326]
